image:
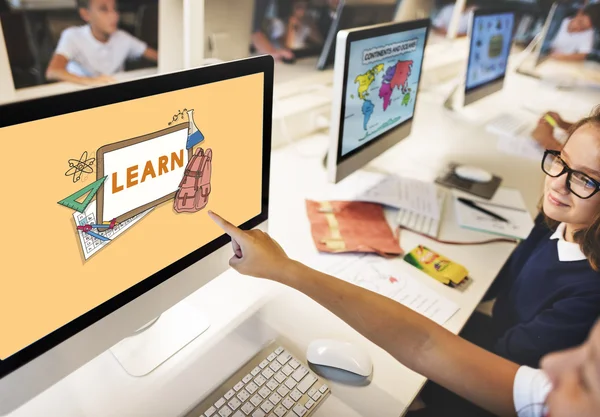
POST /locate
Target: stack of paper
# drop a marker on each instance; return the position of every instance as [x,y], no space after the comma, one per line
[507,203]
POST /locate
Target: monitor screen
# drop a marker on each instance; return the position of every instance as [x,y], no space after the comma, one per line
[108,197]
[380,87]
[491,39]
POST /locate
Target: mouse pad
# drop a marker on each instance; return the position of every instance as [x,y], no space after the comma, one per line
[480,189]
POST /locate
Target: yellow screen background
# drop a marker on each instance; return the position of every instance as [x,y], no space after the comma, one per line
[45,282]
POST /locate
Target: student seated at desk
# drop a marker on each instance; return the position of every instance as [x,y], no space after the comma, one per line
[568,384]
[441,22]
[575,38]
[90,54]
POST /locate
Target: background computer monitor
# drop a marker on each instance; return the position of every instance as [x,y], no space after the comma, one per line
[490,37]
[376,83]
[120,152]
[353,14]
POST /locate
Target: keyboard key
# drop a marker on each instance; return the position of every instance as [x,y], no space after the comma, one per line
[229,394]
[275,398]
[309,404]
[280,377]
[256,400]
[255,371]
[238,414]
[290,383]
[238,386]
[260,380]
[211,411]
[220,403]
[288,403]
[247,408]
[252,388]
[258,413]
[272,385]
[264,392]
[263,364]
[283,391]
[267,373]
[247,379]
[280,411]
[234,404]
[317,396]
[278,350]
[300,410]
[272,357]
[243,395]
[300,373]
[283,358]
[225,411]
[287,370]
[311,392]
[275,366]
[323,389]
[306,383]
[295,395]
[267,406]
[294,364]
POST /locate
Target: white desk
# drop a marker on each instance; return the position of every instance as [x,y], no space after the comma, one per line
[245,312]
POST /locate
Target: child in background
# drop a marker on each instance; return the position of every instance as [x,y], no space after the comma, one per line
[90,54]
[441,23]
[575,38]
[302,30]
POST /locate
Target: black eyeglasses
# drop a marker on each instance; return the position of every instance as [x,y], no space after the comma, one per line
[580,184]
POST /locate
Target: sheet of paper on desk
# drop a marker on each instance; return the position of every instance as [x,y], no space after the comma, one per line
[521,146]
[389,190]
[507,202]
[379,275]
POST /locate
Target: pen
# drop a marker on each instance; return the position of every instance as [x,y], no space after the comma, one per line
[472,204]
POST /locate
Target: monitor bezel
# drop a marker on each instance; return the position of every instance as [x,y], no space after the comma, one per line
[36,109]
[375,32]
[498,81]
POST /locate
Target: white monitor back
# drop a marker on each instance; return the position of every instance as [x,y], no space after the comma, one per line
[227,28]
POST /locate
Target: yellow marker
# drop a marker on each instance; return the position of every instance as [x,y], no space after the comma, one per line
[550,120]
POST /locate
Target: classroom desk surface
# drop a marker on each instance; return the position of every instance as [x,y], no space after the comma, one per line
[246,313]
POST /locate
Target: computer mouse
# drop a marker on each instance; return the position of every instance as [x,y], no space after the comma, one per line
[471,173]
[340,355]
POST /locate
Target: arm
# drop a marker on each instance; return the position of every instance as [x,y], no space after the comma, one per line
[57,71]
[151,54]
[566,324]
[577,57]
[415,341]
[264,46]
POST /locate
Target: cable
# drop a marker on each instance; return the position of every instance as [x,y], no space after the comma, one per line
[450,242]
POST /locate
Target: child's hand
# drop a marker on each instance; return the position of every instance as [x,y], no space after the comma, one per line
[99,80]
[544,135]
[564,125]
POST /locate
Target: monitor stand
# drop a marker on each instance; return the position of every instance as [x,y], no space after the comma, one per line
[157,341]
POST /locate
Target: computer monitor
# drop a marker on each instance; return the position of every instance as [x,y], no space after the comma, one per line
[352,14]
[376,84]
[490,36]
[107,223]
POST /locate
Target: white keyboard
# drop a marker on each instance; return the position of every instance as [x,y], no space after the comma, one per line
[419,223]
[272,384]
[510,125]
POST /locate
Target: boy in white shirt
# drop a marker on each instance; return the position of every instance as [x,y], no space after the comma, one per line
[575,38]
[90,54]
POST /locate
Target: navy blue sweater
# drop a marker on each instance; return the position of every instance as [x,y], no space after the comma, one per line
[542,305]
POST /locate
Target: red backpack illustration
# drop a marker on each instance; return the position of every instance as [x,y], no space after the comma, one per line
[194,188]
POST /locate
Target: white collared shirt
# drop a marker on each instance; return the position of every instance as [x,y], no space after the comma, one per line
[567,42]
[567,251]
[88,57]
[530,389]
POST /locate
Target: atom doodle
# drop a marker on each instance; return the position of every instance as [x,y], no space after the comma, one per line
[77,167]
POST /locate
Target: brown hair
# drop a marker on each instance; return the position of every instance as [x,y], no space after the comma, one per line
[593,12]
[83,4]
[588,238]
